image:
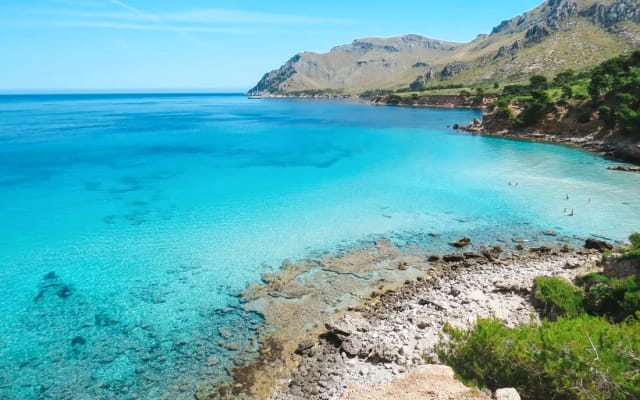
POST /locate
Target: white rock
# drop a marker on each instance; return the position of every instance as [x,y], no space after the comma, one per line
[507,394]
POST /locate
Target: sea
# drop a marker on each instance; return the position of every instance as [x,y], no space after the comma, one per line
[129,223]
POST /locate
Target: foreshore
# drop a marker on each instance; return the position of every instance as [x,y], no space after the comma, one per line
[339,326]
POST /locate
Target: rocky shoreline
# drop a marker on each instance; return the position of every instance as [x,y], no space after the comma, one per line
[391,338]
[563,131]
[340,326]
[557,129]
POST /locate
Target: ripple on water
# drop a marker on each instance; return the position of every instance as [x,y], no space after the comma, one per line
[154,219]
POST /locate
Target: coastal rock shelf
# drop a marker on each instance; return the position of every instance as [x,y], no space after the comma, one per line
[383,345]
[371,315]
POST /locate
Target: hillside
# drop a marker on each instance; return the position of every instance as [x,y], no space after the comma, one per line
[557,35]
[598,110]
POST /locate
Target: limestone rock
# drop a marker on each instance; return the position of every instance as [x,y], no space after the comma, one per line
[507,394]
[536,34]
[352,347]
[460,243]
[452,69]
[418,84]
[597,244]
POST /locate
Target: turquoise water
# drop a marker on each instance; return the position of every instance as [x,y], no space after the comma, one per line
[130,222]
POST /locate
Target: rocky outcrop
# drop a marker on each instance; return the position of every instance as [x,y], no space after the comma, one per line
[625,168]
[419,83]
[271,82]
[502,52]
[608,16]
[377,351]
[599,245]
[452,69]
[563,126]
[422,80]
[536,34]
[560,12]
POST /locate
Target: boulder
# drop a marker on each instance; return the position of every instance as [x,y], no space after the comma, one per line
[507,394]
[460,243]
[352,347]
[597,244]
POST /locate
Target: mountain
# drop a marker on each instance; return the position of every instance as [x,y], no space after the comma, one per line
[555,36]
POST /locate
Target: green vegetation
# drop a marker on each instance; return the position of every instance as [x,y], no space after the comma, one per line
[584,358]
[615,89]
[634,249]
[616,299]
[611,91]
[433,87]
[591,352]
[557,295]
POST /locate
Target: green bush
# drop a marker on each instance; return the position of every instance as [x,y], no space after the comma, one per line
[558,296]
[616,299]
[585,358]
[634,249]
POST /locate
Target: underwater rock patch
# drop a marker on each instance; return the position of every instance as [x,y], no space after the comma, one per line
[52,284]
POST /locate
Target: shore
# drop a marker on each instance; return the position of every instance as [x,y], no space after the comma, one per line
[341,326]
[349,325]
[386,340]
[557,129]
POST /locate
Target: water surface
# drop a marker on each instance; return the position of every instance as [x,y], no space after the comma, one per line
[130,222]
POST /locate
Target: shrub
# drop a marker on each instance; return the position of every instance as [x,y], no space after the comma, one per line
[538,82]
[558,296]
[565,77]
[585,358]
[516,90]
[634,249]
[567,92]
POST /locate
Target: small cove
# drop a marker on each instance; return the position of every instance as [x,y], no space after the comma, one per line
[154,212]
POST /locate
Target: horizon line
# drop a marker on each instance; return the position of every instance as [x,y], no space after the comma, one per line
[123,91]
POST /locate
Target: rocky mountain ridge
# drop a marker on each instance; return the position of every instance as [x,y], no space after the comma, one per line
[557,35]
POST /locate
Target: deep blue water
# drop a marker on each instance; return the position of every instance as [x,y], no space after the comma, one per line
[129,222]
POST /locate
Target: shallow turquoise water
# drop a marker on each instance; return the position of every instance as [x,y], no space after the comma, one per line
[129,222]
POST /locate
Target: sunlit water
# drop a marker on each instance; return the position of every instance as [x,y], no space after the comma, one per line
[128,223]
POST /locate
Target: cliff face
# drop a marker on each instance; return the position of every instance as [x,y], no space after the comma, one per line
[363,64]
[557,35]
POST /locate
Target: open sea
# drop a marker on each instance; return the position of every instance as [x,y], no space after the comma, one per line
[129,223]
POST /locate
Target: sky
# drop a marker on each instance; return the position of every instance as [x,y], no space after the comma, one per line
[193,45]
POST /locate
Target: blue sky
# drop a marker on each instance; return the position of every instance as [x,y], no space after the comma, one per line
[206,44]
